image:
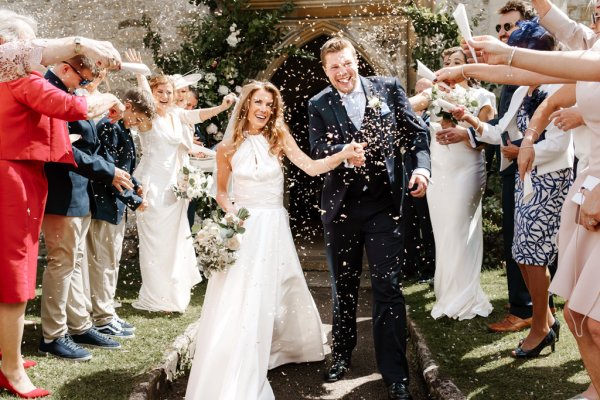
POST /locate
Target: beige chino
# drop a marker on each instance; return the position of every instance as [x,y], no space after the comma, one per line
[104,248]
[63,298]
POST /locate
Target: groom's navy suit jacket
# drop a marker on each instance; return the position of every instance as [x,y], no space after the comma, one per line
[397,127]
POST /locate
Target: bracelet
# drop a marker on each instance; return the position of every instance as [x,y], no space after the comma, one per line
[462,72]
[537,134]
[512,54]
[526,147]
[478,125]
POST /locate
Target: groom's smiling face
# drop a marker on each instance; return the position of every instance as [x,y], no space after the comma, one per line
[342,69]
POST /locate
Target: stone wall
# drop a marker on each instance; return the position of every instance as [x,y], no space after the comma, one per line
[117,21]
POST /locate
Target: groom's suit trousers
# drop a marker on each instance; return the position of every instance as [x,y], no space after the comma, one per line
[369,222]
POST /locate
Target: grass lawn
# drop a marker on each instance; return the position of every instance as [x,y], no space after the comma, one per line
[110,374]
[479,362]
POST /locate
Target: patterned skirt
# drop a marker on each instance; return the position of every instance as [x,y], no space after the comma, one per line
[537,220]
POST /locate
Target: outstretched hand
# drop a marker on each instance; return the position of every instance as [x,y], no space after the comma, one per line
[133,56]
[449,75]
[488,49]
[452,135]
[103,54]
[229,100]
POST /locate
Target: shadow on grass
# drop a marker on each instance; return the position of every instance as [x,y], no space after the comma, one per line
[479,362]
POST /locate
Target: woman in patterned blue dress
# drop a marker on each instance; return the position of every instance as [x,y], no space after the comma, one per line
[540,196]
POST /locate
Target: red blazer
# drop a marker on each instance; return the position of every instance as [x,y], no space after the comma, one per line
[32,120]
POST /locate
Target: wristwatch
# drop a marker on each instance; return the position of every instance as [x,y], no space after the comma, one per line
[77,41]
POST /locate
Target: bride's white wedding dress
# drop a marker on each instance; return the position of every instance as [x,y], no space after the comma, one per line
[258,314]
[454,199]
[167,258]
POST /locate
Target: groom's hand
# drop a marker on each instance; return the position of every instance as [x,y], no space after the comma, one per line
[419,183]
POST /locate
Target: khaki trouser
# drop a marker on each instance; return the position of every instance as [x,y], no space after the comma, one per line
[63,299]
[104,248]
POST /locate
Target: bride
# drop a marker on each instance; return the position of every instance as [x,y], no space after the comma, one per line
[454,200]
[258,314]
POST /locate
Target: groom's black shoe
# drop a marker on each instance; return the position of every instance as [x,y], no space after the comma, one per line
[337,370]
[398,391]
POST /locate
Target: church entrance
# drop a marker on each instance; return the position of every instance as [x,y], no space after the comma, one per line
[300,79]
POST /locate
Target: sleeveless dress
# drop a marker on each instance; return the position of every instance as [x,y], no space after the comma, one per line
[454,200]
[167,258]
[578,271]
[258,314]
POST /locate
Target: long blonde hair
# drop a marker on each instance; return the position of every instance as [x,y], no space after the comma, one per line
[275,129]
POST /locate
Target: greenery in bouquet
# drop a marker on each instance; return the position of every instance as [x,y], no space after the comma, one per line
[192,183]
[217,239]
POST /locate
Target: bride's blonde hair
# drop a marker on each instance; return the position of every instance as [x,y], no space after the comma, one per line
[275,129]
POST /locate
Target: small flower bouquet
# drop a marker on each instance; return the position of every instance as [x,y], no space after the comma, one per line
[459,96]
[217,239]
[192,183]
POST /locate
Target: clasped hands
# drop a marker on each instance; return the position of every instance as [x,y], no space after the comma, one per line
[356,153]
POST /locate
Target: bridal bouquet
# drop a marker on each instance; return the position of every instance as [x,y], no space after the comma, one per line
[192,183]
[217,240]
[458,96]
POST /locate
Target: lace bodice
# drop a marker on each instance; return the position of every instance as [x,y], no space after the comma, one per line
[18,58]
[257,176]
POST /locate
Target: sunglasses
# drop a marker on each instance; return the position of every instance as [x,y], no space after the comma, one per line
[507,27]
[82,81]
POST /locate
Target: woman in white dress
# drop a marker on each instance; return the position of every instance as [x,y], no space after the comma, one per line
[454,200]
[258,314]
[167,258]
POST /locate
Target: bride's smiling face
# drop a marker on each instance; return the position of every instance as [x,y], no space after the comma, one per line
[163,95]
[260,110]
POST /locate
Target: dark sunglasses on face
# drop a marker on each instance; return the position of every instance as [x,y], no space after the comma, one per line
[83,81]
[507,27]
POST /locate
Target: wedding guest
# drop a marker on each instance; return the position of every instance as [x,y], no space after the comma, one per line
[66,323]
[272,319]
[169,269]
[107,228]
[32,132]
[537,209]
[458,171]
[577,269]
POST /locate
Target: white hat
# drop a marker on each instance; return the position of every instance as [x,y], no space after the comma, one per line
[182,81]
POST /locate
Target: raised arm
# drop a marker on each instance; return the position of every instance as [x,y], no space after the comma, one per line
[567,65]
[134,56]
[103,54]
[192,117]
[322,165]
[574,35]
[502,74]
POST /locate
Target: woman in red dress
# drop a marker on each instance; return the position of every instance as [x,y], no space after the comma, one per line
[32,131]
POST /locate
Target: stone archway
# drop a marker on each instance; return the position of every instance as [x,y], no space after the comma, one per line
[299,79]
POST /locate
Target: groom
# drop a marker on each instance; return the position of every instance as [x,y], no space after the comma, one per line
[362,204]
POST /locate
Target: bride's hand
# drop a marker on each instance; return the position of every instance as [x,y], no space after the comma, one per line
[460,113]
[355,153]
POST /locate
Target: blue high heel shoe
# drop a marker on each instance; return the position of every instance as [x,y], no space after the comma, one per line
[548,340]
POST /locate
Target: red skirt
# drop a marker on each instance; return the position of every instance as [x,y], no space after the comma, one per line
[23,193]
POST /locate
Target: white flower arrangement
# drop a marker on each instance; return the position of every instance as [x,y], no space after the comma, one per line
[232,40]
[217,240]
[192,183]
[223,90]
[458,96]
[375,103]
[212,129]
[211,78]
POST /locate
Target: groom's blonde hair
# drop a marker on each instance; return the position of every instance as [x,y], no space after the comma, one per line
[335,45]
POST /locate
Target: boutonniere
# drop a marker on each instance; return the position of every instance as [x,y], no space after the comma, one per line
[375,103]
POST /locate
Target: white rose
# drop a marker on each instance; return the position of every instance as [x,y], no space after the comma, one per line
[212,129]
[223,90]
[233,243]
[211,78]
[232,40]
[238,89]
